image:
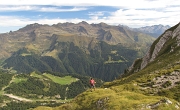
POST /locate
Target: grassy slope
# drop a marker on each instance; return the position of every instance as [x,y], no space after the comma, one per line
[110,100]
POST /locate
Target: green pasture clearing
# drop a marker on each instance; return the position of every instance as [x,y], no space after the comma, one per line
[17,80]
[119,61]
[61,80]
[34,74]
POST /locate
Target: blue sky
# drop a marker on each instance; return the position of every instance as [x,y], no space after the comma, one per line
[15,14]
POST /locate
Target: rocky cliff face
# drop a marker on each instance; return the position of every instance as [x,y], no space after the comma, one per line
[172,33]
[151,56]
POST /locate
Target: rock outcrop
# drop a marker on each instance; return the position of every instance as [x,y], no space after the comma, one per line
[153,52]
[149,57]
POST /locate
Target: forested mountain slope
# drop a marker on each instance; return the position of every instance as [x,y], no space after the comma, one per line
[98,50]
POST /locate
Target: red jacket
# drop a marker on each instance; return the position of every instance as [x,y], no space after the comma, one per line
[92,81]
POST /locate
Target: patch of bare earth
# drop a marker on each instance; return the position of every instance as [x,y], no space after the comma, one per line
[18,98]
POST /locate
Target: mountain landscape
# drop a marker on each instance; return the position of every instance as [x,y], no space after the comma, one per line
[49,67]
[97,50]
[151,83]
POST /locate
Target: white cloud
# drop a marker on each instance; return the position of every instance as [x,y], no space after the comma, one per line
[173,9]
[39,8]
[21,21]
[119,3]
[53,9]
[15,8]
[95,15]
[12,21]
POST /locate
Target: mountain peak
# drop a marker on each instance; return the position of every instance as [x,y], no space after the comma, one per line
[35,25]
[83,23]
[103,24]
[31,27]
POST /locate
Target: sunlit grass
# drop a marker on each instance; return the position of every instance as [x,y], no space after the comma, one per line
[43,108]
[131,101]
[34,74]
[17,80]
[111,100]
[61,80]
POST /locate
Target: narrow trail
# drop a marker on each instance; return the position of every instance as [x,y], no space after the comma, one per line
[18,98]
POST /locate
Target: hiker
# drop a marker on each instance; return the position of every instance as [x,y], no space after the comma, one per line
[92,83]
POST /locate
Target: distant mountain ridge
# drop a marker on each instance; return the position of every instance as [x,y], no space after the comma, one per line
[103,32]
[154,30]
